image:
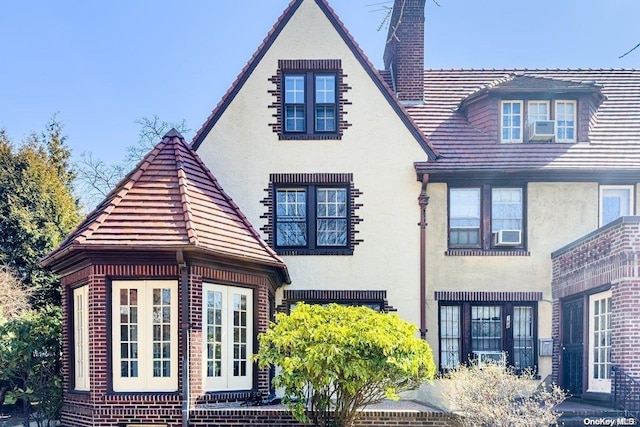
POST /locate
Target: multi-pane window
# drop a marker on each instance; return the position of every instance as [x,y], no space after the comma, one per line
[291,213]
[228,337]
[486,217]
[511,124]
[312,217]
[506,209]
[537,111]
[523,356]
[449,336]
[145,335]
[498,331]
[310,102]
[486,328]
[294,103]
[81,338]
[464,217]
[325,102]
[615,201]
[600,342]
[565,121]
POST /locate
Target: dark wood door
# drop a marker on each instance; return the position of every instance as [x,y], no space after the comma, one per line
[572,345]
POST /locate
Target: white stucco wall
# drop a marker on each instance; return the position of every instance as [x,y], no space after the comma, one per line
[557,214]
[242,150]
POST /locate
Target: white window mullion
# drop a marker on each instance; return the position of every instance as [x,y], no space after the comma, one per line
[81,338]
[228,331]
[600,343]
[145,335]
[511,122]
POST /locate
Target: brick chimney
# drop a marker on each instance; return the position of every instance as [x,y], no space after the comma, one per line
[404,52]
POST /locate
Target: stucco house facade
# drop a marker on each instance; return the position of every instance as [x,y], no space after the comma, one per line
[495,209]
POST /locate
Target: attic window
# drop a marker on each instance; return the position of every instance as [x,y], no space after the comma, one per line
[546,121]
[310,103]
[309,99]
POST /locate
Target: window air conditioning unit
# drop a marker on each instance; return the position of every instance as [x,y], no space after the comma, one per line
[541,130]
[485,357]
[507,238]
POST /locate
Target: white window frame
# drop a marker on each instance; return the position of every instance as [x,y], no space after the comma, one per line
[81,338]
[227,380]
[625,202]
[537,118]
[511,140]
[145,381]
[596,383]
[574,120]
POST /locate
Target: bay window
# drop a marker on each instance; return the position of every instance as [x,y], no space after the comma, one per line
[227,337]
[145,335]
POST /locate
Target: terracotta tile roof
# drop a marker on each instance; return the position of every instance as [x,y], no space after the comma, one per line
[373,73]
[614,136]
[170,201]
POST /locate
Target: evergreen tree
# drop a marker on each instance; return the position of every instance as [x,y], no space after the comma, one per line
[37,207]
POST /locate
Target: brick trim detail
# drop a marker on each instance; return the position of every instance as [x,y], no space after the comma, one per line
[482,252]
[293,65]
[292,295]
[306,179]
[487,296]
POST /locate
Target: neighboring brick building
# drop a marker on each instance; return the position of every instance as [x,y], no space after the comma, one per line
[598,271]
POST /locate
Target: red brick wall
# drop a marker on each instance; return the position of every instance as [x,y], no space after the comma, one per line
[608,257]
[266,416]
[100,406]
[404,53]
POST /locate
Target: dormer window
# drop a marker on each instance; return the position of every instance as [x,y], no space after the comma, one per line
[543,123]
[511,129]
[565,121]
[538,111]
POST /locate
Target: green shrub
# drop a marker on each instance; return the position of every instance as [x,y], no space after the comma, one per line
[334,360]
[30,357]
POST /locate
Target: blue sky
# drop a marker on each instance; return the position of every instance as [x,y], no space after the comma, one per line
[102,65]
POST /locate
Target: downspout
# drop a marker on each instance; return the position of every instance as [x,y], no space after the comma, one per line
[423,201]
[184,327]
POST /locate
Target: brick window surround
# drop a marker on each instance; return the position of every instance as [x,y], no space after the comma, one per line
[347,297]
[474,222]
[281,180]
[304,66]
[508,319]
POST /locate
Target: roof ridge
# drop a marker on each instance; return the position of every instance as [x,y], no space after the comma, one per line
[183,188]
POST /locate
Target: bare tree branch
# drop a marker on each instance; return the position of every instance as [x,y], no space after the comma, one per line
[96,178]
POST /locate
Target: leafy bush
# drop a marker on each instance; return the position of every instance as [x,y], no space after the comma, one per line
[30,357]
[334,360]
[492,395]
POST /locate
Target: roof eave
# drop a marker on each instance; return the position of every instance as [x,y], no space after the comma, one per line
[55,260]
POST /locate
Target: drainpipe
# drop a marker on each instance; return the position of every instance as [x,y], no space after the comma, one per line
[423,201]
[184,327]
